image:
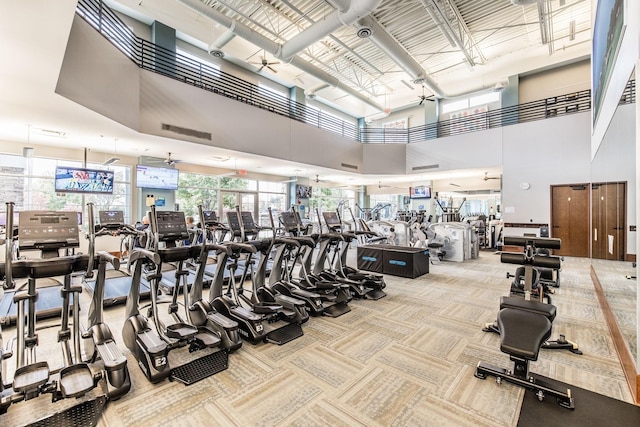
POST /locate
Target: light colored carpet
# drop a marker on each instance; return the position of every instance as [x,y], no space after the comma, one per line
[405,360]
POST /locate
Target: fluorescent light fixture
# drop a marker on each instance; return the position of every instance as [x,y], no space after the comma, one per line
[50,132]
[110,161]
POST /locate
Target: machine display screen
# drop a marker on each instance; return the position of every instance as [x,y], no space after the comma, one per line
[48,229]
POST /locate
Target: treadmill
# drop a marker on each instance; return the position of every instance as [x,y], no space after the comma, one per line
[49,302]
[117,282]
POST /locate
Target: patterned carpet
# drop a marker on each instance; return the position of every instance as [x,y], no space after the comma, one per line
[405,360]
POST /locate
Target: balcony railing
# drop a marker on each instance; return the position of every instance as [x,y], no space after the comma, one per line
[159,60]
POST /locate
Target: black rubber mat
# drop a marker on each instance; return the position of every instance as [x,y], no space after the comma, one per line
[199,369]
[85,414]
[591,409]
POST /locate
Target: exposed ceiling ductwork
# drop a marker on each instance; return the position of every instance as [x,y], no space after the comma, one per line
[287,51]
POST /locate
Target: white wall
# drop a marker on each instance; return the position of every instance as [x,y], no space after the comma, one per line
[466,151]
[542,153]
[97,75]
[558,81]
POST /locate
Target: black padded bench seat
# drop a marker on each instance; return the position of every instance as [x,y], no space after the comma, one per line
[548,310]
[522,332]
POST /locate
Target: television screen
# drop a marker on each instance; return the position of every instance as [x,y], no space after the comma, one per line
[303,191]
[420,192]
[81,180]
[159,178]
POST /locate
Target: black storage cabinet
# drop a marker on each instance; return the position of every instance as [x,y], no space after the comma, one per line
[400,261]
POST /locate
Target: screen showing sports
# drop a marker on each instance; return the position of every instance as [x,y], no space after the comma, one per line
[420,192]
[81,180]
[303,191]
[158,178]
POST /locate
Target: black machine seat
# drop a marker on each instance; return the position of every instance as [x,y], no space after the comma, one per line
[522,332]
[547,310]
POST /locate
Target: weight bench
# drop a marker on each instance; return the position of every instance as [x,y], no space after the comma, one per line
[523,331]
[530,259]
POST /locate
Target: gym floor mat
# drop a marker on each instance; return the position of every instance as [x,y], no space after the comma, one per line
[592,409]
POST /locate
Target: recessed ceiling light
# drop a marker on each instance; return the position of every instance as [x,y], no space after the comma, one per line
[219,158]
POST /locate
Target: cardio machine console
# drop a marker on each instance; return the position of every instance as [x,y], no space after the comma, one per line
[171,226]
[48,230]
[111,220]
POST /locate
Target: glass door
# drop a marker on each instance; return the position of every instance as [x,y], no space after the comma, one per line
[230,199]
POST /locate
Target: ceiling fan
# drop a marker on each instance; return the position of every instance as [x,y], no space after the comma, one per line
[423,97]
[265,63]
[487,177]
[380,185]
[169,160]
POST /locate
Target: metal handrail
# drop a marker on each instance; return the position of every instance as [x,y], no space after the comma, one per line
[157,59]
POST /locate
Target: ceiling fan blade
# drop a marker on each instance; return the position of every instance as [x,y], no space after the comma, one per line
[260,69]
[271,68]
[421,101]
[274,63]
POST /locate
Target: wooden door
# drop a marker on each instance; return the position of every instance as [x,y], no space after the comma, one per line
[608,222]
[570,219]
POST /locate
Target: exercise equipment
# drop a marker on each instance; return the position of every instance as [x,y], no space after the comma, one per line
[151,348]
[48,232]
[529,260]
[117,281]
[48,305]
[372,285]
[293,309]
[334,296]
[257,322]
[200,311]
[525,326]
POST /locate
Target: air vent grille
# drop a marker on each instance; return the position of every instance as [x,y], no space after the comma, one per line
[421,168]
[186,131]
[347,165]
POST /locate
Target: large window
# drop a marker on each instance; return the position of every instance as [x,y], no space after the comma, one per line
[200,189]
[272,195]
[449,106]
[327,199]
[29,183]
[194,190]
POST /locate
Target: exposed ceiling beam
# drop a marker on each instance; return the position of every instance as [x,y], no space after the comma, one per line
[447,17]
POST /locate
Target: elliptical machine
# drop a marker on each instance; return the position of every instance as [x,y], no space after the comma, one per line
[48,232]
[320,300]
[99,341]
[169,228]
[258,322]
[200,311]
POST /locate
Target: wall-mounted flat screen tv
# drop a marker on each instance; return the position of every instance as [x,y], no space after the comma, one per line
[303,191]
[158,178]
[420,192]
[81,180]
